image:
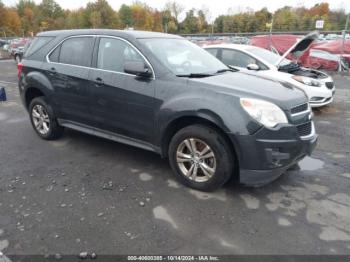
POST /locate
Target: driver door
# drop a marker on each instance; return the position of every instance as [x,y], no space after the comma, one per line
[121,103]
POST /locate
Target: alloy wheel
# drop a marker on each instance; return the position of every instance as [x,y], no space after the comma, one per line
[196,160]
[41,119]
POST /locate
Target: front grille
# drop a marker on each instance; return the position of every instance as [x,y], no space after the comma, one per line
[305,129]
[299,108]
[329,85]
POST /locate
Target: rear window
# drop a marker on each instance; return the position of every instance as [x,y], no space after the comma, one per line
[36,44]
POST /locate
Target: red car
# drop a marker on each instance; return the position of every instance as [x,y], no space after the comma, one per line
[320,55]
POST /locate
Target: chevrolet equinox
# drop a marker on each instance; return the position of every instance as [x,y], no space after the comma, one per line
[162,93]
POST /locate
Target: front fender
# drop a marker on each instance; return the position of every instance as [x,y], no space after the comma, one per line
[221,111]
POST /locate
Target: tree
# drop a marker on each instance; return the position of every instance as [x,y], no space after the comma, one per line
[11,22]
[50,9]
[142,16]
[125,15]
[28,17]
[190,24]
[175,9]
[202,22]
[100,14]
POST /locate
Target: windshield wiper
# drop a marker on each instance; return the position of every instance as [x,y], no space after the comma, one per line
[226,70]
[195,75]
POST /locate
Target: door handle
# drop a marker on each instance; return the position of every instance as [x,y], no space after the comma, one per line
[99,81]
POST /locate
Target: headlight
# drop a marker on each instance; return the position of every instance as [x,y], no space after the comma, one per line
[306,80]
[266,113]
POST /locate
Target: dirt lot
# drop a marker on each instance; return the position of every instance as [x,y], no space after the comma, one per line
[83,193]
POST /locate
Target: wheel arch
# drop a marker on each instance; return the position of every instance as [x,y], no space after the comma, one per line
[31,93]
[183,121]
[186,120]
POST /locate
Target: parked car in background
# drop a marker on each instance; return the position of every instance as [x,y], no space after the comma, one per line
[276,43]
[165,94]
[318,86]
[3,42]
[338,47]
[17,47]
[17,53]
[281,43]
[322,60]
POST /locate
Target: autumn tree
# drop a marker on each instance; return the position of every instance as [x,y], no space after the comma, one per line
[28,16]
[100,14]
[125,16]
[190,24]
[142,16]
[175,10]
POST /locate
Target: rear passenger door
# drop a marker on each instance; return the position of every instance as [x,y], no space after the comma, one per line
[121,103]
[68,70]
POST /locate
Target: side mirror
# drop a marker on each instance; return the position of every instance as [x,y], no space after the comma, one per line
[137,68]
[253,67]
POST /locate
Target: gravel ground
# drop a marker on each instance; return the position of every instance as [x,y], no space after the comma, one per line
[86,194]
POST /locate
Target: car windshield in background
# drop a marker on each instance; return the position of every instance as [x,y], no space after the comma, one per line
[183,58]
[268,56]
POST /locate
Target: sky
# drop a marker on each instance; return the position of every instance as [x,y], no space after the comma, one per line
[215,7]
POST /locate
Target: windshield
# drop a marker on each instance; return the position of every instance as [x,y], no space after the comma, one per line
[182,57]
[268,56]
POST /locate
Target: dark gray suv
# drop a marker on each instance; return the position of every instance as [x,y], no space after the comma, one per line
[162,93]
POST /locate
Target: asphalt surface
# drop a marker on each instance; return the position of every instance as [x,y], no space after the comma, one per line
[82,193]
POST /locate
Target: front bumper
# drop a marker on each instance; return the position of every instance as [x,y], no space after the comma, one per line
[322,100]
[266,155]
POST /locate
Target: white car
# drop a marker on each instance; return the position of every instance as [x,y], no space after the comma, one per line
[318,86]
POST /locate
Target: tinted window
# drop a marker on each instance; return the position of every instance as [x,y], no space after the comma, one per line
[36,44]
[240,59]
[55,54]
[77,51]
[213,51]
[112,53]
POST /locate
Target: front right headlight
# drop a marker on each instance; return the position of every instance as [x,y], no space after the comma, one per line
[266,113]
[306,80]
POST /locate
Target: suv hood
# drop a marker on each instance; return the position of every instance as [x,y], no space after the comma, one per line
[242,84]
[299,48]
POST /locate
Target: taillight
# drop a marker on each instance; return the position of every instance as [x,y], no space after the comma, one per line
[19,69]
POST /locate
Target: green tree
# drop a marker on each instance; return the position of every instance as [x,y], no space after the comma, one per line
[190,24]
[125,15]
[101,14]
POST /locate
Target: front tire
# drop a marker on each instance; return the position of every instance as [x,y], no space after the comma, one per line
[201,157]
[44,120]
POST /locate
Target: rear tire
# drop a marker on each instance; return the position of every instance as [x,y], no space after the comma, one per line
[201,158]
[44,120]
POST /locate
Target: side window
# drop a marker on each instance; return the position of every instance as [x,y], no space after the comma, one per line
[112,53]
[236,58]
[76,51]
[53,57]
[213,51]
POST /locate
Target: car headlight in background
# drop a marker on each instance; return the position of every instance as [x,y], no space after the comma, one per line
[306,80]
[266,113]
